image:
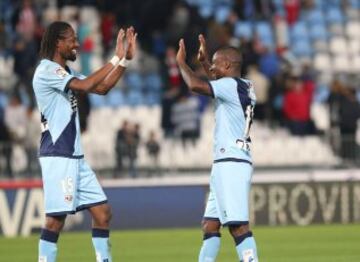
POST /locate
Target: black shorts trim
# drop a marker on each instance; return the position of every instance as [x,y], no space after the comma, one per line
[86,206]
[236,223]
[79,208]
[211,219]
[232,159]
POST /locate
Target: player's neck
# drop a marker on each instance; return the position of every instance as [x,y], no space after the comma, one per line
[58,59]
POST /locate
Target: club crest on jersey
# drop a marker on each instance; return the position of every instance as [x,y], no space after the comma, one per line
[61,72]
[68,198]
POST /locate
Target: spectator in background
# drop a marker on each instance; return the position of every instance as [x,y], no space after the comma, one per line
[292,8]
[121,149]
[186,117]
[16,119]
[6,149]
[133,141]
[31,143]
[297,101]
[153,150]
[25,47]
[86,47]
[174,85]
[107,31]
[345,112]
[261,84]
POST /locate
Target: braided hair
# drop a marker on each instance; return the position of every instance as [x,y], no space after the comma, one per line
[52,35]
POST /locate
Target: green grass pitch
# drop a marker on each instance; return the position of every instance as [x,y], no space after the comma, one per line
[313,243]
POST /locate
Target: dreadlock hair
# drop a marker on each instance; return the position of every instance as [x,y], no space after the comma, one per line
[52,35]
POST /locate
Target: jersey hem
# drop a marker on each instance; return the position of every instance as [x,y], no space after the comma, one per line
[232,159]
[62,155]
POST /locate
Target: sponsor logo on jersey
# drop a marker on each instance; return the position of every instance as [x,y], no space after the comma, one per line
[61,72]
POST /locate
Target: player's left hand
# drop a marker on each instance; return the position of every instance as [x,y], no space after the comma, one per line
[181,54]
[131,43]
[202,53]
[119,50]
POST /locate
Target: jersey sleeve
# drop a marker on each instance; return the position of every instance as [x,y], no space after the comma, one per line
[224,89]
[57,77]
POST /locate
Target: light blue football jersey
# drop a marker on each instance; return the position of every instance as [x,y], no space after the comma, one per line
[234,103]
[58,107]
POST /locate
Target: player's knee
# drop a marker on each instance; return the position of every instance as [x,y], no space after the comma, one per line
[103,218]
[209,226]
[238,230]
[55,224]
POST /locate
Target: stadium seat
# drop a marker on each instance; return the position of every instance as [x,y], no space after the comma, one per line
[334,16]
[318,32]
[97,101]
[115,98]
[264,31]
[222,14]
[322,62]
[355,4]
[352,30]
[134,98]
[243,30]
[299,31]
[338,45]
[354,46]
[133,81]
[355,64]
[314,16]
[153,82]
[341,64]
[302,49]
[320,46]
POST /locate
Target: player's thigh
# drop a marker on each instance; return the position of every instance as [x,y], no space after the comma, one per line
[231,184]
[211,210]
[59,177]
[90,192]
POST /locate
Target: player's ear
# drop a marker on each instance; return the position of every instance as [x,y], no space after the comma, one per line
[227,65]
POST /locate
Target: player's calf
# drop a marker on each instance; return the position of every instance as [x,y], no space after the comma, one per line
[245,243]
[49,237]
[100,233]
[211,241]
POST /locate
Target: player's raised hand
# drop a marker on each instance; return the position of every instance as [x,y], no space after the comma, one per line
[131,43]
[202,53]
[181,54]
[120,49]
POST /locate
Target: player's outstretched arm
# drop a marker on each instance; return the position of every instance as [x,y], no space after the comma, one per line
[194,83]
[89,83]
[203,56]
[110,80]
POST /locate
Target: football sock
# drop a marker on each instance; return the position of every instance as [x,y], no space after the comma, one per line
[210,247]
[48,246]
[100,239]
[246,247]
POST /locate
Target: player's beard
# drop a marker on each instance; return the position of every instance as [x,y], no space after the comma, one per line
[69,56]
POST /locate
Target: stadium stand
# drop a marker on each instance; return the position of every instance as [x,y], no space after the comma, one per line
[316,41]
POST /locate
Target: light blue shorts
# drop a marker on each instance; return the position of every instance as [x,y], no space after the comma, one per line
[228,200]
[70,185]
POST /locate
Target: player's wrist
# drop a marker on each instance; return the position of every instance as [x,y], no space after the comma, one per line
[124,62]
[114,60]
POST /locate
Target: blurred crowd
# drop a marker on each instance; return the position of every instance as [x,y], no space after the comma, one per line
[279,56]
